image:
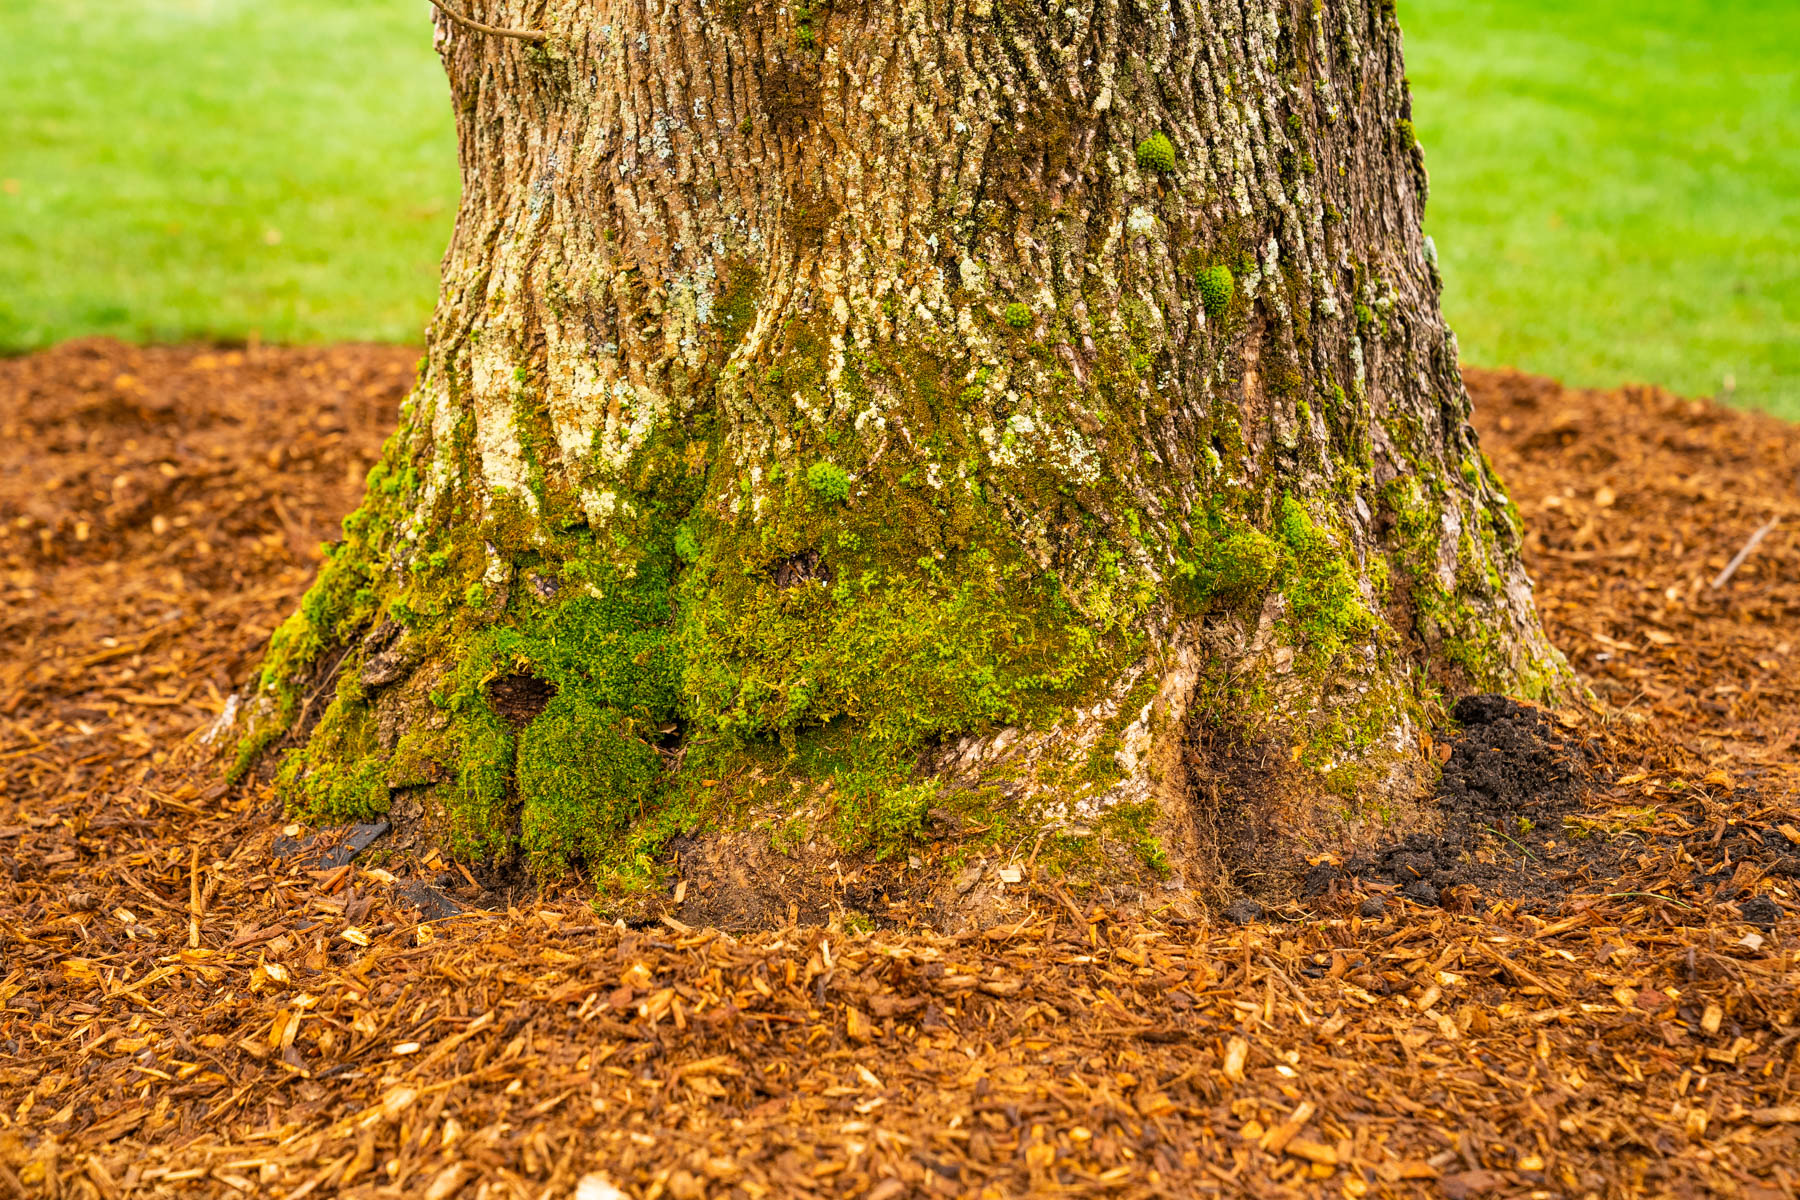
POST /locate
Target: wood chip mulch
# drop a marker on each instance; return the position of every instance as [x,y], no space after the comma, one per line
[188,1012]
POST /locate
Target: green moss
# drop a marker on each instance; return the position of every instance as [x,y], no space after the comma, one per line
[805,37]
[1471,472]
[1324,605]
[828,481]
[736,306]
[589,617]
[583,767]
[1017,315]
[583,774]
[895,820]
[687,548]
[1101,768]
[333,791]
[1229,565]
[1156,153]
[338,775]
[1216,289]
[1133,825]
[478,757]
[908,655]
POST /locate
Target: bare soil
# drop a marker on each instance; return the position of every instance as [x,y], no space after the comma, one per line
[1585,984]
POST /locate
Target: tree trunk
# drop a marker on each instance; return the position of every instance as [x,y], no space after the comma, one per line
[908,429]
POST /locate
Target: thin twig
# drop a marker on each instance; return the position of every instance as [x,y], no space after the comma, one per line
[523,35]
[1516,842]
[1646,896]
[1737,561]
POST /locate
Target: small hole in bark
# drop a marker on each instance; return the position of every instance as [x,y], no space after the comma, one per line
[520,698]
[804,567]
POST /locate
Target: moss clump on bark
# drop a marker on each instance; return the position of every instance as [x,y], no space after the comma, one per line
[1232,564]
[582,777]
[1324,603]
[829,481]
[1134,825]
[1216,289]
[909,654]
[1156,153]
[339,775]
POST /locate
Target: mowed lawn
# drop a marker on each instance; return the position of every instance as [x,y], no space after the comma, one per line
[217,168]
[1615,183]
[1615,187]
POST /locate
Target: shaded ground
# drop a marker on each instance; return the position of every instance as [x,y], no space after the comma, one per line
[199,1003]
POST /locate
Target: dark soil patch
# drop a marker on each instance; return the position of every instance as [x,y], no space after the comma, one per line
[1234,786]
[326,849]
[1510,779]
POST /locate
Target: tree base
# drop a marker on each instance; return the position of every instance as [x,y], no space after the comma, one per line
[917,439]
[1222,763]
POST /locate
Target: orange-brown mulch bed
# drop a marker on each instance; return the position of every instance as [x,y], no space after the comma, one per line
[188,1014]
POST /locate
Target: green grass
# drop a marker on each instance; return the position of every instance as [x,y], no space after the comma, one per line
[1616,186]
[190,168]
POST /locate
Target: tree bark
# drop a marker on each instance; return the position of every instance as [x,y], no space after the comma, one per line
[848,424]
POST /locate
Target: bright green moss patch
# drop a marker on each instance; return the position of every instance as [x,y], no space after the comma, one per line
[336,775]
[334,791]
[828,481]
[1017,315]
[1231,565]
[586,623]
[1216,289]
[582,777]
[1133,825]
[1156,153]
[886,816]
[479,761]
[906,654]
[706,626]
[1324,604]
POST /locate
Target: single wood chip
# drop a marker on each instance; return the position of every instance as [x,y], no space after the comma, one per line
[1317,1152]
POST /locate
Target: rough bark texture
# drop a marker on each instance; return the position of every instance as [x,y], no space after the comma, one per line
[847,424]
